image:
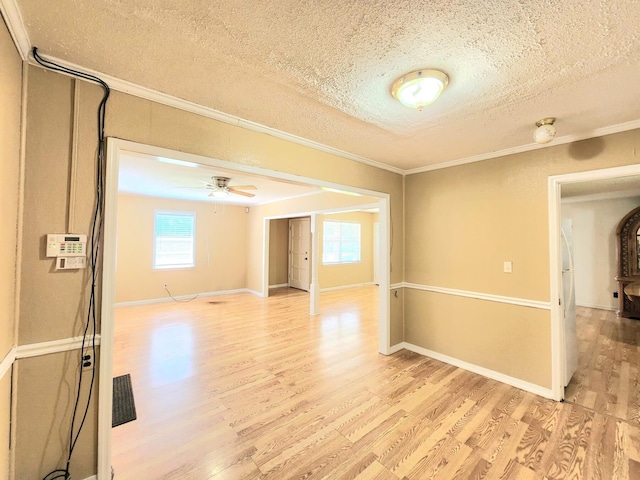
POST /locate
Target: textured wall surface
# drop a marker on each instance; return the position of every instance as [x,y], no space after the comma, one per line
[595,248]
[349,274]
[46,393]
[10,119]
[5,409]
[220,250]
[462,223]
[278,251]
[10,105]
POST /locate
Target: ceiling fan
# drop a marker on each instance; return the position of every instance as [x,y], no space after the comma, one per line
[220,187]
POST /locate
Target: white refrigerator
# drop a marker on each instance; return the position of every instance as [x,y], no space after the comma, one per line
[569,301]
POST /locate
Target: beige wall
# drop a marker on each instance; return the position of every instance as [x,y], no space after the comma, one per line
[462,223]
[46,393]
[463,328]
[279,251]
[294,207]
[10,128]
[339,275]
[10,106]
[5,410]
[53,303]
[594,230]
[219,256]
[329,276]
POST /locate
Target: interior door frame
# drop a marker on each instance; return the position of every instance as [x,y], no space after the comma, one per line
[314,287]
[115,147]
[558,341]
[289,255]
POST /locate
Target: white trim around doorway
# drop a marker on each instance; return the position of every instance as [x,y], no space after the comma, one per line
[114,149]
[558,341]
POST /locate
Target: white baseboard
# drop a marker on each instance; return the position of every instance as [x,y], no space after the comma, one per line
[344,287]
[396,348]
[500,377]
[181,297]
[254,292]
[280,285]
[599,307]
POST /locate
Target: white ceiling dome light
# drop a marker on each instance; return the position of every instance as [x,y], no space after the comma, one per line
[545,131]
[419,89]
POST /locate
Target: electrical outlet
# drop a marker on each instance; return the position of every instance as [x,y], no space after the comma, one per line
[87,359]
[165,285]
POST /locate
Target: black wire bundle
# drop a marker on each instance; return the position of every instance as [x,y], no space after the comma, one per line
[96,236]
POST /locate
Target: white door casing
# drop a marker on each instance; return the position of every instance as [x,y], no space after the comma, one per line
[376,253]
[115,147]
[558,330]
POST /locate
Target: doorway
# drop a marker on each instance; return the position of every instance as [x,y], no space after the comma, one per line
[116,147]
[561,333]
[299,253]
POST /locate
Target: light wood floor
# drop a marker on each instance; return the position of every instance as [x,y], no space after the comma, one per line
[608,372]
[237,387]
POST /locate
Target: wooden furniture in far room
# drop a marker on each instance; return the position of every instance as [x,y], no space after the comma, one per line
[628,277]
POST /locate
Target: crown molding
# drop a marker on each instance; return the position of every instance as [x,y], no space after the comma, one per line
[11,13]
[598,132]
[15,24]
[13,19]
[130,88]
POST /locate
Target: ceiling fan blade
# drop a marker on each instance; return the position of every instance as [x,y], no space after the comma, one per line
[244,187]
[240,192]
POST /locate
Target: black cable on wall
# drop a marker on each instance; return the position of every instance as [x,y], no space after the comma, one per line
[79,415]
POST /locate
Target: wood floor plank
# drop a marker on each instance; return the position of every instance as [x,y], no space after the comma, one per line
[241,387]
[375,471]
[570,454]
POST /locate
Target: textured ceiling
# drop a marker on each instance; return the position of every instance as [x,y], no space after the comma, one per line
[322,70]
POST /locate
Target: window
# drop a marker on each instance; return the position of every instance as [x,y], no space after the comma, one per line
[174,240]
[340,242]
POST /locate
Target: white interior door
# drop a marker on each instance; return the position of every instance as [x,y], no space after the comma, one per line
[569,302]
[376,253]
[299,252]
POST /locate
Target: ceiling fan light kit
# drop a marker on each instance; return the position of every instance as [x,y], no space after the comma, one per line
[545,131]
[220,188]
[420,88]
[219,194]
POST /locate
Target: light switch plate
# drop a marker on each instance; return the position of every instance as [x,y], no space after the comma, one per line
[508,267]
